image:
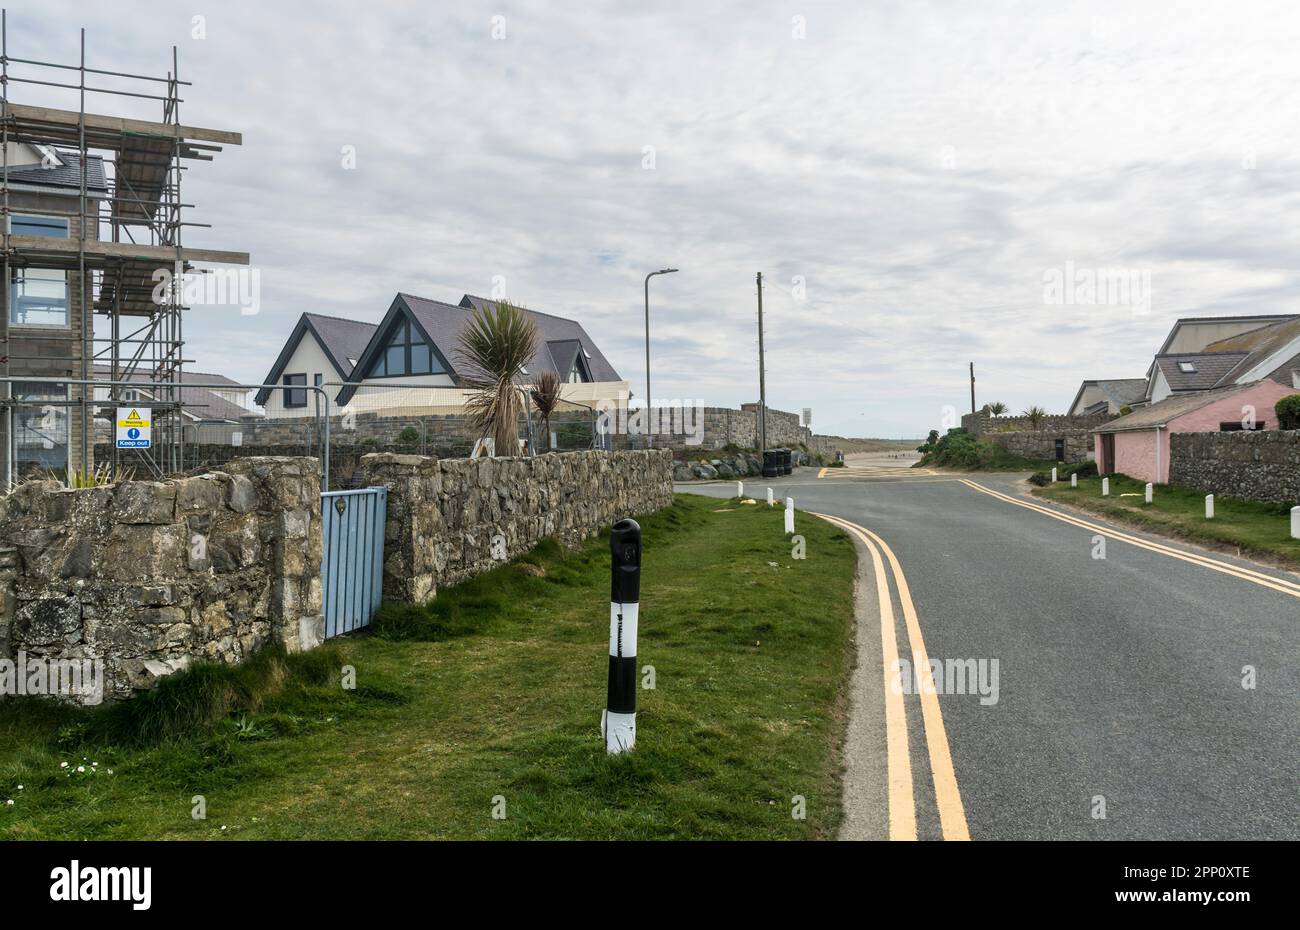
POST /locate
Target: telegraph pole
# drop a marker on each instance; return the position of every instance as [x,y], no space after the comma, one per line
[762,383]
[972,387]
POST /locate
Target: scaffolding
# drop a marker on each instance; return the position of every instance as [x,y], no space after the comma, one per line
[126,226]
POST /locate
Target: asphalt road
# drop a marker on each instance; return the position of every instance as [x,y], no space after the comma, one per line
[1118,678]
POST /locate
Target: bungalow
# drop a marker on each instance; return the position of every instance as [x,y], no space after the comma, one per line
[410,360]
[1137,445]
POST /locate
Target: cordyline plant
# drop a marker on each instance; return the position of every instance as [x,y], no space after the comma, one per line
[1035,415]
[546,397]
[496,344]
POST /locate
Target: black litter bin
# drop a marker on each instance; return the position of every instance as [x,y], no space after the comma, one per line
[786,462]
[771,463]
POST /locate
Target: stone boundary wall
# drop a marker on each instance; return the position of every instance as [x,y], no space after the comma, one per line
[1255,466]
[1018,435]
[983,423]
[1042,444]
[725,426]
[146,576]
[449,436]
[444,514]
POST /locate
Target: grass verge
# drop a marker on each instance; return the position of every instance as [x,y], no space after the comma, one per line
[1249,527]
[492,691]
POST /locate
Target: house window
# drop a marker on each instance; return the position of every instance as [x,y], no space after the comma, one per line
[579,373]
[38,296]
[405,353]
[318,380]
[296,398]
[40,430]
[25,225]
[1187,368]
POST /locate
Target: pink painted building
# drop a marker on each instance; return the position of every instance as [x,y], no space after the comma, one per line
[1137,445]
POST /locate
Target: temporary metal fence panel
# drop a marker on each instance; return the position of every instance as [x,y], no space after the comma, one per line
[352,566]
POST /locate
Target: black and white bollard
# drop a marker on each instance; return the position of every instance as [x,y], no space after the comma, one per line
[789,515]
[618,723]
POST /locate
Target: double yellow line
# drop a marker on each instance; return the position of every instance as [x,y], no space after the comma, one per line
[1237,571]
[902,800]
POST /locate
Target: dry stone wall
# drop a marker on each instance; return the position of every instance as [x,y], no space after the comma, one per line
[1255,466]
[451,519]
[146,576]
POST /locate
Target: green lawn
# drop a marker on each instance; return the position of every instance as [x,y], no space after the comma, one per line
[1260,529]
[496,691]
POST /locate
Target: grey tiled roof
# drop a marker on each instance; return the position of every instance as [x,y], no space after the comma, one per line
[1124,390]
[1210,369]
[67,175]
[444,322]
[342,339]
[1261,344]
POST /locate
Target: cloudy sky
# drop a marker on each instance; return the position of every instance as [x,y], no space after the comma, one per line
[907,176]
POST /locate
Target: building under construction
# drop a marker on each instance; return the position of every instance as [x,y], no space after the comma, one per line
[93,218]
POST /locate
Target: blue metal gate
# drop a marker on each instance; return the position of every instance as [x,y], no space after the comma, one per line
[352,568]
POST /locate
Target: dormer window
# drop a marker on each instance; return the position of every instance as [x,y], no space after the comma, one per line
[1187,368]
[405,353]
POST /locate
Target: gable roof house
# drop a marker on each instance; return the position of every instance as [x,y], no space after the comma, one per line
[1108,396]
[410,359]
[1257,348]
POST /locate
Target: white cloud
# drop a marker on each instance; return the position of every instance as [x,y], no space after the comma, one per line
[1107,134]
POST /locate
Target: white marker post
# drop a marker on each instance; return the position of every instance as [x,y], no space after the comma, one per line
[1295,522]
[771,502]
[1150,491]
[740,489]
[1105,487]
[1074,481]
[1209,506]
[618,723]
[1053,474]
[789,515]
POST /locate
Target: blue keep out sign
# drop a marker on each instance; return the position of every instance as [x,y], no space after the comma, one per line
[133,428]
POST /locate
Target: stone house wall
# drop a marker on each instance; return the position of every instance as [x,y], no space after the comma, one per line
[1257,466]
[443,515]
[145,576]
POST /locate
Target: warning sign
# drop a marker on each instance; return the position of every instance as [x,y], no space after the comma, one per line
[133,430]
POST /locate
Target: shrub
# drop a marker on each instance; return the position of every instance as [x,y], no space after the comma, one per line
[409,436]
[961,449]
[1082,469]
[1288,412]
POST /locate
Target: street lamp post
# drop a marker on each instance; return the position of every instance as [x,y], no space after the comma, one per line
[647,348]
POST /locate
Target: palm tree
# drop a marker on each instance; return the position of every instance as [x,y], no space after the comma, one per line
[997,408]
[546,397]
[1035,415]
[496,344]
